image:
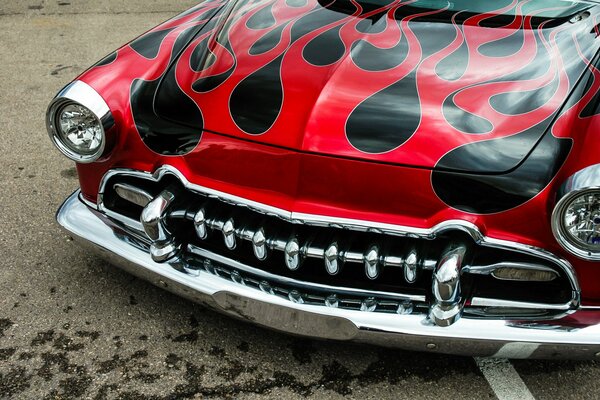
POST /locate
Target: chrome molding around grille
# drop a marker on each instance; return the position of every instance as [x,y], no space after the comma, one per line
[350,224]
[484,302]
[212,216]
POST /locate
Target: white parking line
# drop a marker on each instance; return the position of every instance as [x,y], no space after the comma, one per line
[503,379]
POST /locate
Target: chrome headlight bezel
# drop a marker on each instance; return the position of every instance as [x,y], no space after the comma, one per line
[79,93]
[583,182]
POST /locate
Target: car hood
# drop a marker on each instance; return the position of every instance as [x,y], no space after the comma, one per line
[451,86]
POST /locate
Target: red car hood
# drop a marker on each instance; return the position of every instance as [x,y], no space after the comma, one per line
[473,88]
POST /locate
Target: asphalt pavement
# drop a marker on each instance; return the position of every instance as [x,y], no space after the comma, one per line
[72,326]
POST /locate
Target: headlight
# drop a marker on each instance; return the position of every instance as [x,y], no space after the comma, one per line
[77,121]
[79,129]
[576,217]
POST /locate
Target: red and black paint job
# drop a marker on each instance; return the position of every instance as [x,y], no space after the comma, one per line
[378,110]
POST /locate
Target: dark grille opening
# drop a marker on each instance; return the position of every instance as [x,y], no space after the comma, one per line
[351,275]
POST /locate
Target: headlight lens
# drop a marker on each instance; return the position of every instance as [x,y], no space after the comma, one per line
[79,129]
[78,120]
[582,220]
[576,223]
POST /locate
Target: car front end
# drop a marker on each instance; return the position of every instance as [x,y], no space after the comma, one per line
[339,171]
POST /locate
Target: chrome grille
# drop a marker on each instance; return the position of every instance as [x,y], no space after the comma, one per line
[292,250]
[324,263]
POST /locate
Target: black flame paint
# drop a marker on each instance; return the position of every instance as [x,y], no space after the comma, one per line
[505,160]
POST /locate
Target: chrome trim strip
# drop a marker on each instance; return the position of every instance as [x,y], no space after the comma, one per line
[485,302]
[169,170]
[82,93]
[358,225]
[88,203]
[468,336]
[130,223]
[586,178]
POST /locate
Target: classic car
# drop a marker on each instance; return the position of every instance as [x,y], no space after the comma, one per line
[421,174]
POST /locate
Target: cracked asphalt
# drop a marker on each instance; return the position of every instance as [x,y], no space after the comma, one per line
[72,326]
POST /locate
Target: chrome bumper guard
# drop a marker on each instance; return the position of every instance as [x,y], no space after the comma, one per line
[567,337]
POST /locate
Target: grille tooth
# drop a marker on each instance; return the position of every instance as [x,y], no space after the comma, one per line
[266,287]
[200,224]
[293,254]
[259,245]
[369,304]
[296,297]
[228,231]
[405,308]
[332,301]
[208,267]
[332,262]
[237,278]
[411,266]
[372,265]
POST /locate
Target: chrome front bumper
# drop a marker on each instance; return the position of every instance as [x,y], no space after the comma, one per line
[562,338]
